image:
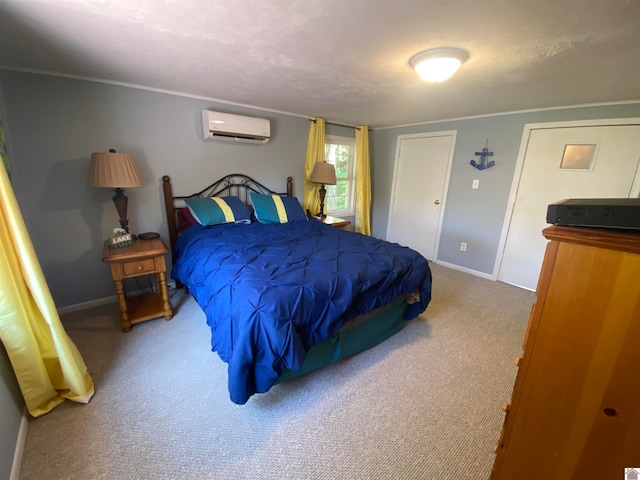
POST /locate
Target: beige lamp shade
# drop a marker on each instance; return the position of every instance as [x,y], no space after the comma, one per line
[324,173]
[113,170]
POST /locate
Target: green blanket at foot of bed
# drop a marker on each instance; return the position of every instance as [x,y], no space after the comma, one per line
[354,340]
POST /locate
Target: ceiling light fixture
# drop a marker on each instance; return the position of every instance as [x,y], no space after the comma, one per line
[439,64]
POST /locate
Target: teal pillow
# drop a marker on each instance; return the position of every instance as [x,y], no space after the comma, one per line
[277,209]
[216,210]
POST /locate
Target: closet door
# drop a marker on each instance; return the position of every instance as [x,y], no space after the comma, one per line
[562,163]
[423,163]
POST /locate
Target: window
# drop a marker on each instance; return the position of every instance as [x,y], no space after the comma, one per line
[340,198]
[579,156]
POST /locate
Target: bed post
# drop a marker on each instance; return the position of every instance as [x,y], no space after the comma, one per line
[171,216]
[289,186]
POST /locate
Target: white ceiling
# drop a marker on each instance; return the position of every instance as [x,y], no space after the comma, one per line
[345,60]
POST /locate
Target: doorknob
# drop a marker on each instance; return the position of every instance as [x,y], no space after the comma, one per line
[437,202]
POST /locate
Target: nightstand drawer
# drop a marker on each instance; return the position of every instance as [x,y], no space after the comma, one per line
[138,267]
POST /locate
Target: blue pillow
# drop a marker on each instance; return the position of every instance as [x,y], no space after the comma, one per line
[277,209]
[216,210]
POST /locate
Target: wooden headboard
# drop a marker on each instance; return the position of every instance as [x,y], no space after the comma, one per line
[235,185]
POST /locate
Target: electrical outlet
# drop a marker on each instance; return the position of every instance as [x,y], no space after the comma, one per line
[476,183]
[463,246]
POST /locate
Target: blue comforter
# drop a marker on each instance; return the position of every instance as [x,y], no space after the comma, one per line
[270,292]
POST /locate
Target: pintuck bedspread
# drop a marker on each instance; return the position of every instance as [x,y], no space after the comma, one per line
[271,291]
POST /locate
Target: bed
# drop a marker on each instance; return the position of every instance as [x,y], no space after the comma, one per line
[283,293]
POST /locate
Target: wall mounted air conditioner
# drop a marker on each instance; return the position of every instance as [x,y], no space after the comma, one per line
[235,128]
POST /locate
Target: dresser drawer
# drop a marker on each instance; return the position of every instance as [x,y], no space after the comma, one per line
[138,267]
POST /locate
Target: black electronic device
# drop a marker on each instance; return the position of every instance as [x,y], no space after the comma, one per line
[596,212]
[148,235]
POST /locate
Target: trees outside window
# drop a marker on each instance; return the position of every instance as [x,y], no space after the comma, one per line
[340,198]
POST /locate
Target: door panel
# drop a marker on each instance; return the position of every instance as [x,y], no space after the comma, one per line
[419,185]
[545,179]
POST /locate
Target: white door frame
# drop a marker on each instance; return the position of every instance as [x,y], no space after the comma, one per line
[452,134]
[606,122]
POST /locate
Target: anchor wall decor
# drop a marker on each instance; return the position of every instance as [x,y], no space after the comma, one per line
[483,158]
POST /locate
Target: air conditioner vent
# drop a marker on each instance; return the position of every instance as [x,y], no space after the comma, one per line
[235,128]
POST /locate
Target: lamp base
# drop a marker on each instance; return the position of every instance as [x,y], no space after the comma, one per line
[322,192]
[120,200]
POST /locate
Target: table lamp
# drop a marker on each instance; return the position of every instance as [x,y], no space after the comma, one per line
[117,171]
[325,174]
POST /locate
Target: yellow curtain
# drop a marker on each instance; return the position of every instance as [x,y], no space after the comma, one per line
[3,152]
[315,153]
[45,360]
[363,181]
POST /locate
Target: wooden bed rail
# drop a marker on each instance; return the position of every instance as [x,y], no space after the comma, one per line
[170,210]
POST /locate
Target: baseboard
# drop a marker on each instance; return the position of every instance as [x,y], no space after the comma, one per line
[101,301]
[465,270]
[17,454]
[84,305]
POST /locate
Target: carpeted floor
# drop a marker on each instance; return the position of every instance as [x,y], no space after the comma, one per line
[425,404]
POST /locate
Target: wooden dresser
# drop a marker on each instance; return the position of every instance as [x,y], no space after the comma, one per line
[575,410]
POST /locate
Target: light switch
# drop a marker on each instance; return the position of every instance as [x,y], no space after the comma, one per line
[476,183]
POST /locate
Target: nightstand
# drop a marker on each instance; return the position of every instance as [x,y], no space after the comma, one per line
[144,257]
[335,222]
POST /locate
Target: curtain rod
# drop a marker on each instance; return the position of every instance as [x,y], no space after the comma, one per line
[336,124]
